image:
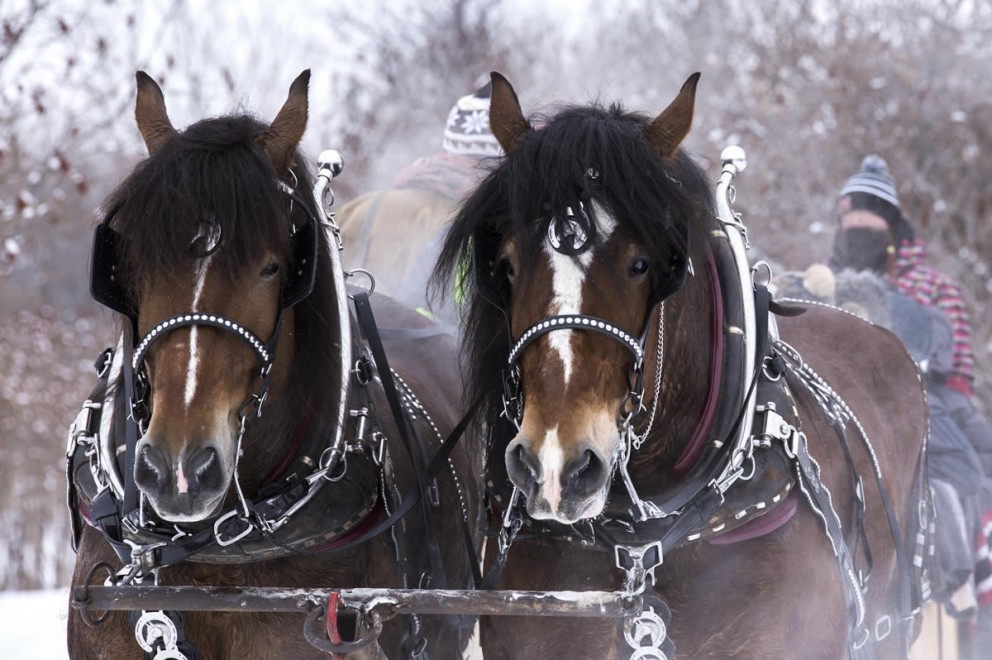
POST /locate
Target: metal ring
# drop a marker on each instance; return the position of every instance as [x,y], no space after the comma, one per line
[646,625]
[361,271]
[344,648]
[79,604]
[155,627]
[759,266]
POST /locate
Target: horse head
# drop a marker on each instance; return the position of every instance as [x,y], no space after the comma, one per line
[212,255]
[575,239]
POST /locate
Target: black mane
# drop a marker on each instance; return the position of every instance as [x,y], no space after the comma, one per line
[661,201]
[213,171]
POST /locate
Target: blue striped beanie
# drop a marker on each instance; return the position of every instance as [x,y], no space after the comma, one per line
[873,189]
[873,179]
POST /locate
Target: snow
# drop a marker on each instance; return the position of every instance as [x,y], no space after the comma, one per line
[32,624]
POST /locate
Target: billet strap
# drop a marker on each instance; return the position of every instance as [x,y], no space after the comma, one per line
[107,511]
[130,498]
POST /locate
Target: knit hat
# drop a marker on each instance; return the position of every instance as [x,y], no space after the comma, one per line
[467,131]
[872,189]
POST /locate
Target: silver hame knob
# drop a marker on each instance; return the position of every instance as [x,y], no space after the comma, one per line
[734,155]
[330,162]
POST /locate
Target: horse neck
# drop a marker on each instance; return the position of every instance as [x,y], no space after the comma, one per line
[299,415]
[689,328]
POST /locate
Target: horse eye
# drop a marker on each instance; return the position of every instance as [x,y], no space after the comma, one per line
[639,267]
[504,267]
[270,270]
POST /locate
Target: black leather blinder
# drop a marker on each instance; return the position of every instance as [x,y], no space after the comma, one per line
[107,286]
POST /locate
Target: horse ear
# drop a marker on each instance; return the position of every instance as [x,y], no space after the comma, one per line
[505,118]
[669,128]
[149,112]
[282,137]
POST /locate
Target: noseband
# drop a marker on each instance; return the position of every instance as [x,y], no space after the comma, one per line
[512,403]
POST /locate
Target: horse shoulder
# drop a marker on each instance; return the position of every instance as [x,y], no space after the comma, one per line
[841,345]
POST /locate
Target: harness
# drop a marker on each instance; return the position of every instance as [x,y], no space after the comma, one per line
[747,458]
[329,493]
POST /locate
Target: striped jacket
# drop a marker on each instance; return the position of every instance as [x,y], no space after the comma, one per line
[917,279]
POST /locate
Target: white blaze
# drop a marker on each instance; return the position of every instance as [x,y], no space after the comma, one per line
[194,349]
[552,461]
[568,274]
[567,277]
[182,484]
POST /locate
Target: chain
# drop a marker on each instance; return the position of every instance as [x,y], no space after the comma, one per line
[638,440]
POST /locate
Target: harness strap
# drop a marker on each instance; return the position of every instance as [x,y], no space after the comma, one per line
[818,497]
[366,321]
[838,414]
[130,497]
[432,470]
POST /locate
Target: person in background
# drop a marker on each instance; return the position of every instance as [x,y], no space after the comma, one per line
[873,235]
[395,234]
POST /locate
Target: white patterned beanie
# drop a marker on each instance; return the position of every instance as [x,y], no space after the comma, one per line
[467,130]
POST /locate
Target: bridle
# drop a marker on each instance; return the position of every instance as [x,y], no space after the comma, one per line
[633,401]
[570,227]
[108,289]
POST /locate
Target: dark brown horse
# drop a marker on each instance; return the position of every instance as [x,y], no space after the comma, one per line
[263,453]
[639,419]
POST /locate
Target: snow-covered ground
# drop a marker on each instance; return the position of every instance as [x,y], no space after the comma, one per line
[32,624]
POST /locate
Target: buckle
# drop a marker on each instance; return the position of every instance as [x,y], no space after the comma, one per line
[512,408]
[638,562]
[363,370]
[103,362]
[883,627]
[249,527]
[82,426]
[378,447]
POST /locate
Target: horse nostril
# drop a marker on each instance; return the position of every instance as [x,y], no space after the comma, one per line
[152,468]
[203,470]
[522,467]
[586,473]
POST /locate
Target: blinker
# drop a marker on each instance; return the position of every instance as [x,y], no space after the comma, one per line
[108,289]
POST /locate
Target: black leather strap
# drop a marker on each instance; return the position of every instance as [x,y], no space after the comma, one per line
[414,450]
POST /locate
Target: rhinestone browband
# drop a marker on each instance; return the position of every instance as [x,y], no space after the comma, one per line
[184,320]
[576,322]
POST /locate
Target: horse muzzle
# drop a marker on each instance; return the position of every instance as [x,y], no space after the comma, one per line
[559,487]
[189,486]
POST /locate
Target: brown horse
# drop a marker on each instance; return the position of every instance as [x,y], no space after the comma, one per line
[648,432]
[259,449]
